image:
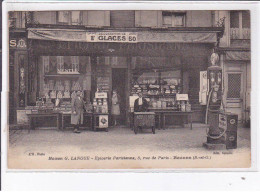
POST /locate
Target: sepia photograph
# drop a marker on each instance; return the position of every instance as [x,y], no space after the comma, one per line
[129,89]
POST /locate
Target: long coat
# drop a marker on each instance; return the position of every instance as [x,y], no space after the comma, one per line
[77,105]
[141,108]
[115,107]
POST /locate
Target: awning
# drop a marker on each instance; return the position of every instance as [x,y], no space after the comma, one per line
[122,37]
[57,34]
[238,55]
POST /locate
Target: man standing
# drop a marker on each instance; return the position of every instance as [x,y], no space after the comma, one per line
[141,104]
[77,108]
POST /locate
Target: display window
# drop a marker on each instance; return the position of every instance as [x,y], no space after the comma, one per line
[158,86]
[60,77]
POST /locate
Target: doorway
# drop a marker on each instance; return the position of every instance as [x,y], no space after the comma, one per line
[119,84]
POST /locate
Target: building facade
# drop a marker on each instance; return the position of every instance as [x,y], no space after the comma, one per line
[160,53]
[236,62]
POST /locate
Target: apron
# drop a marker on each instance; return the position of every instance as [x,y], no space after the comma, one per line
[78,106]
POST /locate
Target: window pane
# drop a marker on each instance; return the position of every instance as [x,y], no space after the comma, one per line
[245,19]
[122,19]
[234,19]
[148,77]
[167,20]
[171,74]
[179,20]
[63,16]
[75,17]
[234,85]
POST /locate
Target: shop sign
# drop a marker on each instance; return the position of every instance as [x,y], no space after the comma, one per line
[129,37]
[121,37]
[182,97]
[103,121]
[17,43]
[100,95]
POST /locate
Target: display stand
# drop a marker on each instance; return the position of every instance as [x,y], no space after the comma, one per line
[144,120]
[100,115]
[100,121]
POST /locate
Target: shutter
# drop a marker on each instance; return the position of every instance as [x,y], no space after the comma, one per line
[234,85]
[45,17]
[122,19]
[85,18]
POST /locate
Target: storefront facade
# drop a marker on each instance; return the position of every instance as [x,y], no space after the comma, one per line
[126,59]
[112,65]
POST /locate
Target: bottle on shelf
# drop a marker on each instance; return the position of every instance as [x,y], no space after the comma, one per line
[94,104]
[188,107]
[183,106]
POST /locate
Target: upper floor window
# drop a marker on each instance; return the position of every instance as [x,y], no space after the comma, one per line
[69,17]
[17,19]
[122,19]
[240,24]
[173,19]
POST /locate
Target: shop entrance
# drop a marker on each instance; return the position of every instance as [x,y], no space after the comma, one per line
[119,84]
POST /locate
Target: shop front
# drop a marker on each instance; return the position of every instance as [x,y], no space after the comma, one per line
[164,66]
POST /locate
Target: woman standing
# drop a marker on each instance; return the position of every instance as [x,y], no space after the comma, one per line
[115,108]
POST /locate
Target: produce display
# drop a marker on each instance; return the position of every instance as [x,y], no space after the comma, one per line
[154,87]
[160,92]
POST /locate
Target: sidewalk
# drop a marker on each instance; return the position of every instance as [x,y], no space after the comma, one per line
[120,140]
[120,137]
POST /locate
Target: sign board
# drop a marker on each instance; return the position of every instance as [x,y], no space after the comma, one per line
[100,95]
[182,97]
[22,117]
[203,88]
[121,37]
[129,37]
[222,124]
[103,121]
[17,43]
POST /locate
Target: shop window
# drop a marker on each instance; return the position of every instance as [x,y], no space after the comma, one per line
[240,24]
[60,76]
[147,78]
[173,19]
[69,17]
[158,86]
[234,85]
[156,82]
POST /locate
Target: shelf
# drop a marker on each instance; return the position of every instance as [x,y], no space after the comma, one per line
[62,75]
[159,95]
[55,98]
